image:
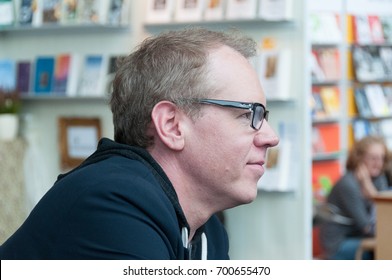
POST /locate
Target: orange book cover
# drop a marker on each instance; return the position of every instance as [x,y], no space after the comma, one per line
[324,176]
[350,66]
[329,134]
[349,31]
[351,105]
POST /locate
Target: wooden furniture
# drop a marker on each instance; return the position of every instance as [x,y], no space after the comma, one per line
[384,226]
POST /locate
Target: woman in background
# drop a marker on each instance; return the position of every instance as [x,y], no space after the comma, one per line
[350,202]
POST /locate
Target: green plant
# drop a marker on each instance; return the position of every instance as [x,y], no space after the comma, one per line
[9,102]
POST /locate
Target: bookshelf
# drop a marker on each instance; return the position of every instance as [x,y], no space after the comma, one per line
[253,229]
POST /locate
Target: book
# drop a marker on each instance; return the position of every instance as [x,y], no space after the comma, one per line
[386,59]
[328,139]
[362,103]
[7,16]
[23,77]
[92,76]
[324,175]
[214,10]
[376,99]
[388,96]
[93,11]
[188,10]
[116,12]
[66,73]
[37,15]
[7,75]
[113,63]
[368,65]
[386,22]
[331,100]
[317,72]
[361,128]
[51,11]
[159,11]
[325,28]
[241,9]
[70,12]
[362,31]
[275,9]
[281,170]
[376,31]
[325,64]
[274,73]
[43,77]
[317,106]
[25,14]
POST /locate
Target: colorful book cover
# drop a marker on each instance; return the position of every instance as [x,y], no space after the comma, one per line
[69,12]
[329,136]
[61,74]
[324,175]
[362,32]
[51,11]
[43,78]
[376,29]
[23,77]
[7,74]
[331,100]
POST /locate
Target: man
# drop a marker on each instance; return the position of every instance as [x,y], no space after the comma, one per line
[191,136]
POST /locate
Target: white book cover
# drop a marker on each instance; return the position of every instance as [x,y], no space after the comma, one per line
[213,10]
[92,77]
[324,28]
[6,12]
[274,73]
[281,167]
[93,11]
[189,10]
[241,9]
[377,101]
[159,11]
[276,9]
[37,13]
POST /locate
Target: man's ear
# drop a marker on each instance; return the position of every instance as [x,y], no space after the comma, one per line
[167,121]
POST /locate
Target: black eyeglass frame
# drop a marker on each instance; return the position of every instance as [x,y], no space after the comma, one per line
[252,107]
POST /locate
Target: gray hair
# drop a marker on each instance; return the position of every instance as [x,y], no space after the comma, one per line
[171,66]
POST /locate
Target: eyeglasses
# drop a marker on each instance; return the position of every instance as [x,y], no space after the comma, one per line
[258,111]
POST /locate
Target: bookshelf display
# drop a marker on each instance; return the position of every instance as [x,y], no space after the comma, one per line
[326,101]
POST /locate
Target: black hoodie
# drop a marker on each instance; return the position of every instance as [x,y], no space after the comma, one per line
[118,204]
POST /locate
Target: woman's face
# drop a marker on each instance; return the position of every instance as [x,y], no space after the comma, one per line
[374,159]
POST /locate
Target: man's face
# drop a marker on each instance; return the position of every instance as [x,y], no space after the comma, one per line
[225,155]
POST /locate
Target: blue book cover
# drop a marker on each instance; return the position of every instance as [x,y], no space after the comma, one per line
[7,75]
[43,78]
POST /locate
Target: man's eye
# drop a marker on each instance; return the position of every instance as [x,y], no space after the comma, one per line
[247,115]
